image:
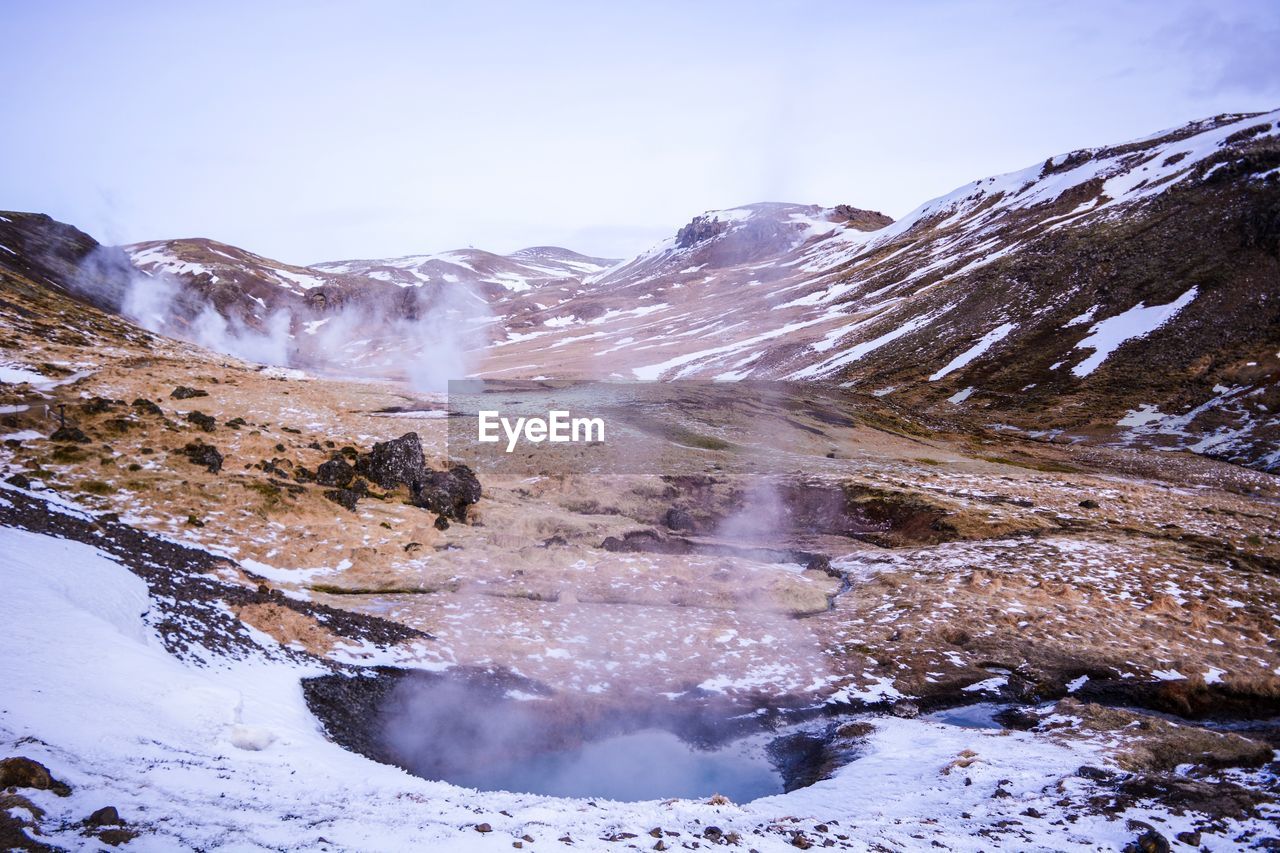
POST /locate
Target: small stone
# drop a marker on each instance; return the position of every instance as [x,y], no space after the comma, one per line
[441,523]
[1088,503]
[1148,842]
[1097,774]
[203,421]
[483,827]
[105,816]
[142,404]
[182,392]
[19,480]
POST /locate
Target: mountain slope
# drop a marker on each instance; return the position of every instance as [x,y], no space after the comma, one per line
[1121,293]
[1126,294]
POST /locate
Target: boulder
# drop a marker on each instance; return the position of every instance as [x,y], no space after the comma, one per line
[345,498]
[679,519]
[448,493]
[398,462]
[200,419]
[336,472]
[105,816]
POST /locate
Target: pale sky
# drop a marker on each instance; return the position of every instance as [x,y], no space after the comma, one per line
[311,131]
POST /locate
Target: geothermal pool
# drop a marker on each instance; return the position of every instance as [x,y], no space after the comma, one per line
[643,765]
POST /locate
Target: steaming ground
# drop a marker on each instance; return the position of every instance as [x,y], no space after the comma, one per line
[1006,571]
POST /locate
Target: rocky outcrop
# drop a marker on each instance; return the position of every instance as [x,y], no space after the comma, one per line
[395,463]
[400,463]
[199,453]
[448,493]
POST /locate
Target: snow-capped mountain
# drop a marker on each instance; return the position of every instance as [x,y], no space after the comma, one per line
[1124,293]
[497,275]
[1128,292]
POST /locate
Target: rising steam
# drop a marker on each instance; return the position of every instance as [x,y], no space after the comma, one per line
[423,338]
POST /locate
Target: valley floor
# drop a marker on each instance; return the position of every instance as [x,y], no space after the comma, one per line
[159,618]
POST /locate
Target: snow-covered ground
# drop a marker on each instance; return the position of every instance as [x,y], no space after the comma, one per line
[226,756]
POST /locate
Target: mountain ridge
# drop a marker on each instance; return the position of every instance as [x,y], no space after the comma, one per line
[1122,294]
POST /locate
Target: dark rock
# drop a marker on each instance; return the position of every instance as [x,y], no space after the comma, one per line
[1097,774]
[19,480]
[394,463]
[98,405]
[182,392]
[679,519]
[105,816]
[345,498]
[822,563]
[483,827]
[70,433]
[442,523]
[200,419]
[1022,719]
[142,404]
[448,493]
[1148,842]
[1088,503]
[1191,839]
[236,423]
[118,425]
[556,540]
[302,474]
[646,541]
[207,455]
[336,472]
[20,772]
[906,709]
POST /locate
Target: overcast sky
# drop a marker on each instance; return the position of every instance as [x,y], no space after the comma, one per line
[314,131]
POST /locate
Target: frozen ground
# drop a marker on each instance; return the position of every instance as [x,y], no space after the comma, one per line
[226,756]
